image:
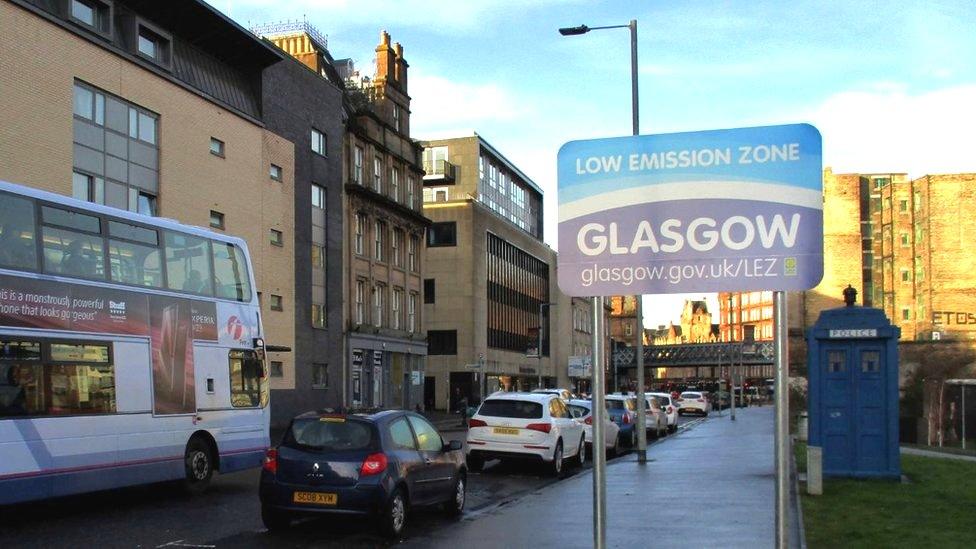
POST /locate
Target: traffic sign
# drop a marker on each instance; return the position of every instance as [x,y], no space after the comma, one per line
[710,211]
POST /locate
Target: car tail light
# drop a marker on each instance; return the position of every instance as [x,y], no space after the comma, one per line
[374,464]
[626,419]
[670,410]
[541,427]
[270,461]
[477,423]
[588,420]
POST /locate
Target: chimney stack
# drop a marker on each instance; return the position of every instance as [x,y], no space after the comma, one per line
[385,59]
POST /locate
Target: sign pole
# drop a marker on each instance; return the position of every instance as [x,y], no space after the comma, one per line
[782,421]
[599,415]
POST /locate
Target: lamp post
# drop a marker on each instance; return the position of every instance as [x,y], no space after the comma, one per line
[541,336]
[599,459]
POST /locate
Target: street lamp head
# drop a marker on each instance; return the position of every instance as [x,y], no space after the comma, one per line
[570,31]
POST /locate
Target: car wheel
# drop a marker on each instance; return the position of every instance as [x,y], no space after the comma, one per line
[198,466]
[476,463]
[395,515]
[581,455]
[556,467]
[274,520]
[673,428]
[455,507]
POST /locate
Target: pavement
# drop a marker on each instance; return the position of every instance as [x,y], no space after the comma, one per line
[711,485]
[935,454]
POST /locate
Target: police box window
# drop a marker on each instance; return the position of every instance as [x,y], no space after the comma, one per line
[442,234]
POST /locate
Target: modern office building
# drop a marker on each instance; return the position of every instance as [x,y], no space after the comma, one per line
[384,261]
[490,284]
[302,99]
[157,108]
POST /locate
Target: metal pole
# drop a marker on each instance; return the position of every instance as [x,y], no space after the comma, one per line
[599,416]
[540,345]
[963,416]
[732,385]
[641,420]
[781,347]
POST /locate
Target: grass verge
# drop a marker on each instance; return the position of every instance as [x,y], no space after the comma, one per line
[936,509]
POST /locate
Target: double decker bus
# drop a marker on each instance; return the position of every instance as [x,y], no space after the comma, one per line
[131,350]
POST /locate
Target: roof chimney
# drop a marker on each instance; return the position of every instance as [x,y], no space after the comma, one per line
[385,59]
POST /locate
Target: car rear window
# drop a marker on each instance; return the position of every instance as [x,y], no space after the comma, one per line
[330,434]
[518,409]
[629,404]
[690,395]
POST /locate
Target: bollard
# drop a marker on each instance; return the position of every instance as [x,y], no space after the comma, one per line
[814,470]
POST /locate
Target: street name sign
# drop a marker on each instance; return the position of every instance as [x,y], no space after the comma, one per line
[719,210]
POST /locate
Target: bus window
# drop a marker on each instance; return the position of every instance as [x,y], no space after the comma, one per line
[247,389]
[135,264]
[17,248]
[230,272]
[72,253]
[79,379]
[188,263]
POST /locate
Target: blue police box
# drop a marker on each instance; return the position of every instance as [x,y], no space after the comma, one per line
[852,353]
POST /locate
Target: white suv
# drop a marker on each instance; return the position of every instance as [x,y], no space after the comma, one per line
[669,408]
[533,426]
[694,401]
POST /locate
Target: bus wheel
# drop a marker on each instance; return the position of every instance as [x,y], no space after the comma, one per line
[198,462]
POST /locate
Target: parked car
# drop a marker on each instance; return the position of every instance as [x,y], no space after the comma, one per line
[582,412]
[382,464]
[525,426]
[656,423]
[564,394]
[623,412]
[693,402]
[670,409]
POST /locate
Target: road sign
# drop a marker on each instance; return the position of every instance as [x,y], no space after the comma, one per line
[710,211]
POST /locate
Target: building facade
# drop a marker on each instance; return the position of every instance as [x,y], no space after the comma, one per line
[745,316]
[490,286]
[386,345]
[303,101]
[153,108]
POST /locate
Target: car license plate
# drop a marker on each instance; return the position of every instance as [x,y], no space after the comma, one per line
[505,431]
[318,498]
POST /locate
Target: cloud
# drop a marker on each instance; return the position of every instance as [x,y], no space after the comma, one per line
[888,129]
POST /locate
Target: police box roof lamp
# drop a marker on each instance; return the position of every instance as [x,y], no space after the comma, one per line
[850,296]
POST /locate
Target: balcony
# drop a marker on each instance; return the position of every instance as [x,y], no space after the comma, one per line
[440,171]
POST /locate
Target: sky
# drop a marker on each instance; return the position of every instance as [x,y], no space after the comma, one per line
[890,84]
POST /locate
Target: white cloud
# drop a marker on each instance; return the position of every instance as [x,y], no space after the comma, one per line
[888,129]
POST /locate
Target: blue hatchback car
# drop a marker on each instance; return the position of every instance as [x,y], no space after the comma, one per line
[378,464]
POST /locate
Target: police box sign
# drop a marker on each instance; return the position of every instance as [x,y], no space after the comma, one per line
[859,333]
[723,210]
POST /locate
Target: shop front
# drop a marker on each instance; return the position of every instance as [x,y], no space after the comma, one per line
[385,373]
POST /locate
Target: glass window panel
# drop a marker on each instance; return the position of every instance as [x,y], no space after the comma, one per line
[73,254]
[870,361]
[428,438]
[83,102]
[17,248]
[11,349]
[80,185]
[836,361]
[79,389]
[401,435]
[83,12]
[133,123]
[147,45]
[99,109]
[230,272]
[73,220]
[66,352]
[188,263]
[135,264]
[146,204]
[133,232]
[147,128]
[246,373]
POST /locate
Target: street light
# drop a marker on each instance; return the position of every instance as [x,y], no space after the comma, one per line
[541,336]
[599,458]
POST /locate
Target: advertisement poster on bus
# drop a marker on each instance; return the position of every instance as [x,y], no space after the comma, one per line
[719,210]
[170,323]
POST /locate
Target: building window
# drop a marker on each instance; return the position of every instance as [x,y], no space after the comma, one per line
[379,304]
[905,276]
[429,295]
[379,250]
[360,233]
[397,309]
[357,167]
[412,254]
[412,312]
[216,147]
[216,219]
[277,238]
[906,313]
[395,184]
[318,196]
[318,256]
[396,247]
[396,118]
[88,187]
[903,206]
[360,301]
[275,172]
[411,191]
[142,126]
[378,174]
[153,44]
[318,315]
[628,329]
[904,240]
[94,14]
[318,142]
[441,342]
[277,304]
[442,234]
[320,376]
[277,368]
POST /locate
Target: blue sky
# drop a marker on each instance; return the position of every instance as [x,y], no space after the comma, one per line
[891,85]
